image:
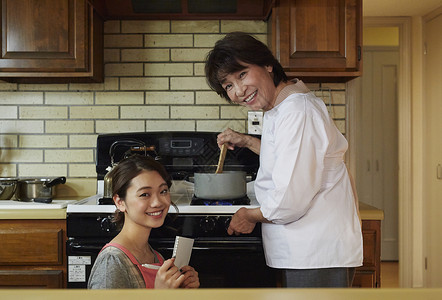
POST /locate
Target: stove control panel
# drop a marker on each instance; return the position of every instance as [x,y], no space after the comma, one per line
[181,146]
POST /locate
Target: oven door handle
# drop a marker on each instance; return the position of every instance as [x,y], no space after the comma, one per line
[86,247]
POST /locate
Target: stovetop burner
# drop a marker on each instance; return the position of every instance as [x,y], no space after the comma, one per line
[208,202]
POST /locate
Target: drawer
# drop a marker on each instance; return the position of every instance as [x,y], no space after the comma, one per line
[31,246]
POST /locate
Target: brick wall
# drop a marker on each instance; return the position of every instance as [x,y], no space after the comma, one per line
[154,81]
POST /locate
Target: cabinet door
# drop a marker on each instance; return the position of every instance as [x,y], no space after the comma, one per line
[47,38]
[318,38]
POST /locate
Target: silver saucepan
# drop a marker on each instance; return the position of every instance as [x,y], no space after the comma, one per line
[221,186]
[37,189]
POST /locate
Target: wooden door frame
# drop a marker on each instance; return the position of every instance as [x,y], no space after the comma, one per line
[409,260]
[425,19]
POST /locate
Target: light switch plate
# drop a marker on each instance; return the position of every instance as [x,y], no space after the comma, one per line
[254,124]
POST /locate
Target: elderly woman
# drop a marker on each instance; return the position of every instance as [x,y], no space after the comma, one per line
[308,207]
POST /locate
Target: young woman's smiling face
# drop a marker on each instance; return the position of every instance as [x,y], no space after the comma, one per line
[147,200]
[252,87]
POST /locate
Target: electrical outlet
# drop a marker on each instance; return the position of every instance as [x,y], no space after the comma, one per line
[254,123]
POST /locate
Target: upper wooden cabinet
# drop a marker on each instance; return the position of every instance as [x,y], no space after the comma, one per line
[318,40]
[50,41]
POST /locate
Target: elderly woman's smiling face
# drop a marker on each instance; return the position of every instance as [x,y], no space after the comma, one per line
[252,87]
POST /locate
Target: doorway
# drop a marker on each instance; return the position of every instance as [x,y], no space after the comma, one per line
[410,251]
[377,141]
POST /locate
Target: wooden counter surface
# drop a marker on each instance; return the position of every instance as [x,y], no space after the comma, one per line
[369,212]
[222,294]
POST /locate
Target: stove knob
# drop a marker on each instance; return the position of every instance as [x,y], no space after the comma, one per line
[227,222]
[208,224]
[107,224]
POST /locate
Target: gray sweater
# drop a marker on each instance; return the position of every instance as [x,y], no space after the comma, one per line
[113,269]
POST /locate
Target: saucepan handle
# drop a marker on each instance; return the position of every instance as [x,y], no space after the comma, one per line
[58,180]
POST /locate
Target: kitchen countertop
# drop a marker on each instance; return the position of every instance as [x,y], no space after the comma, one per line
[10,209]
[369,212]
[221,294]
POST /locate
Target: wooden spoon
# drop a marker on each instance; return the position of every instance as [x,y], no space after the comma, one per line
[222,156]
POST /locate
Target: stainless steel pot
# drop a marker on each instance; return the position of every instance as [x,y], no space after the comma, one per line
[37,189]
[7,188]
[221,186]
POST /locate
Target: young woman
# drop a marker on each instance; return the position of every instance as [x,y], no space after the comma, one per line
[140,188]
[308,206]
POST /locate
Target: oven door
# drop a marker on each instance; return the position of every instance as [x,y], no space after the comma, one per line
[81,256]
[232,262]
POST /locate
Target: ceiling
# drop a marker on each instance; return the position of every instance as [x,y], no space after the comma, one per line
[396,8]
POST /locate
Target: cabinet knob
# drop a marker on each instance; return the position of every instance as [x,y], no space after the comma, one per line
[439,172]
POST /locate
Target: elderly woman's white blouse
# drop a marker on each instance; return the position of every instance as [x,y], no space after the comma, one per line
[303,187]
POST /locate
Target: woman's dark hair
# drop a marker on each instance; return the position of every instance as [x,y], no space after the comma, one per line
[126,170]
[228,54]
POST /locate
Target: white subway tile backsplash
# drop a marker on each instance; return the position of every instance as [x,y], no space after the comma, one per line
[8,170]
[188,83]
[168,69]
[123,40]
[82,170]
[170,125]
[198,69]
[8,141]
[126,69]
[77,187]
[21,126]
[111,55]
[21,98]
[190,54]
[93,112]
[234,112]
[251,26]
[43,170]
[203,26]
[144,83]
[194,112]
[207,40]
[144,112]
[43,112]
[221,125]
[69,98]
[43,87]
[145,55]
[83,141]
[116,126]
[69,156]
[7,86]
[145,26]
[69,126]
[169,98]
[210,97]
[43,141]
[25,155]
[8,112]
[119,98]
[168,40]
[112,26]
